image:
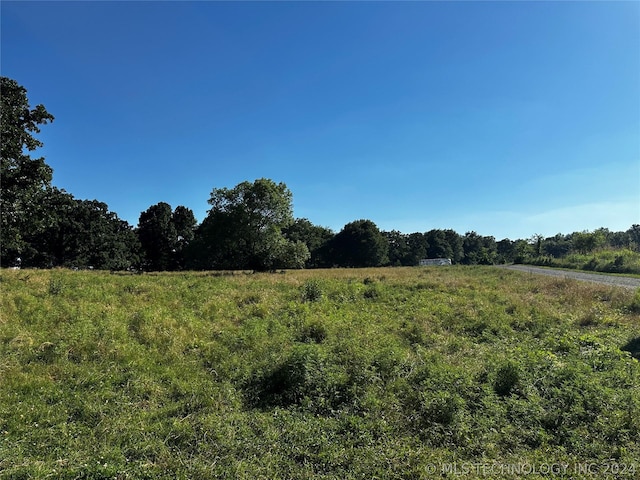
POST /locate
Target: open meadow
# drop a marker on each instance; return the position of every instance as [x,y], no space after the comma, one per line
[346,373]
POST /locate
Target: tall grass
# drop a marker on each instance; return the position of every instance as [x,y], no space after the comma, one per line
[373,373]
[607,260]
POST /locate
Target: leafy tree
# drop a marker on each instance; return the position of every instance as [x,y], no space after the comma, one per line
[398,248]
[506,251]
[103,240]
[524,251]
[164,236]
[418,247]
[24,179]
[557,246]
[316,239]
[479,249]
[406,250]
[157,235]
[455,244]
[586,242]
[80,234]
[619,240]
[536,241]
[243,229]
[438,245]
[184,223]
[360,244]
[634,236]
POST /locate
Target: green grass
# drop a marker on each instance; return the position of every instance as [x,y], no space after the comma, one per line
[373,373]
[611,261]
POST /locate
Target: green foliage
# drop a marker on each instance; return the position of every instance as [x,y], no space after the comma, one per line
[315,238]
[243,230]
[311,291]
[24,179]
[360,244]
[42,225]
[607,261]
[586,242]
[164,235]
[634,306]
[56,285]
[507,378]
[479,249]
[633,347]
[82,234]
[250,226]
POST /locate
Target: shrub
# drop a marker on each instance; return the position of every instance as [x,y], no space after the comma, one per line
[312,332]
[306,379]
[633,347]
[371,292]
[591,264]
[507,378]
[311,291]
[56,286]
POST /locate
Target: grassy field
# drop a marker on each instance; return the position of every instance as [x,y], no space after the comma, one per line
[449,372]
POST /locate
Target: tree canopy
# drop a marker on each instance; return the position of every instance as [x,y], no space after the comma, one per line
[243,229]
[164,235]
[80,234]
[360,244]
[24,179]
[41,225]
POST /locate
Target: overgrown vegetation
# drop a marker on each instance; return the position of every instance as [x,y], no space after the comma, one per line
[375,373]
[609,261]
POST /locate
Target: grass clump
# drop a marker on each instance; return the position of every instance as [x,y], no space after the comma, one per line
[311,291]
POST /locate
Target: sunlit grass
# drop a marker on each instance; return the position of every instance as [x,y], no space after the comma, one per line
[611,261]
[344,373]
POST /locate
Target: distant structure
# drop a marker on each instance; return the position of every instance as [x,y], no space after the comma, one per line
[434,261]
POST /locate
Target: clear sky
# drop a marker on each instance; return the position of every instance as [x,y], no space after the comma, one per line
[507,118]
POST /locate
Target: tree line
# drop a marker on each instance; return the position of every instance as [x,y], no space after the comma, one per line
[248,227]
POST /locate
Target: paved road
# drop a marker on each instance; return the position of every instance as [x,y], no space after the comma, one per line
[627,282]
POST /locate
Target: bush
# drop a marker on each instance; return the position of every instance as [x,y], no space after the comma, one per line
[311,291]
[56,286]
[507,378]
[633,347]
[306,379]
[312,332]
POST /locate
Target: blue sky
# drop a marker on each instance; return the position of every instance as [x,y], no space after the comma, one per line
[507,118]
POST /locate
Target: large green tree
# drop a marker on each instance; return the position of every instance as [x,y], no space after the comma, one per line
[157,236]
[243,229]
[418,247]
[586,242]
[360,244]
[315,237]
[24,179]
[80,234]
[164,235]
[184,222]
[438,247]
[634,237]
[398,248]
[479,249]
